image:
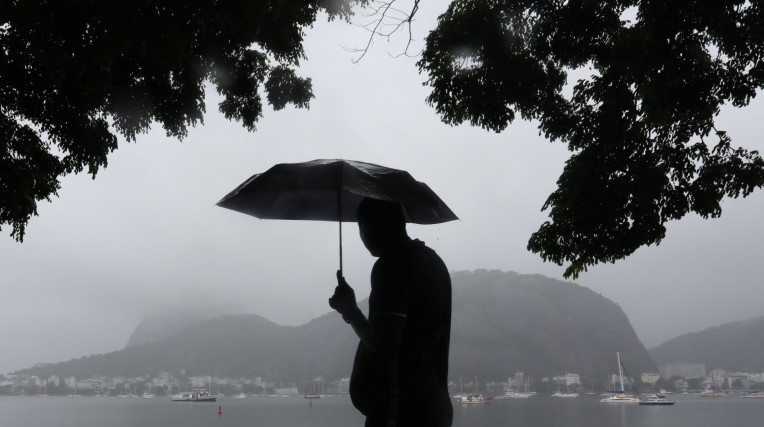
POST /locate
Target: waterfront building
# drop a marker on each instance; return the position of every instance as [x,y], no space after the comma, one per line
[344,386]
[54,380]
[684,370]
[650,377]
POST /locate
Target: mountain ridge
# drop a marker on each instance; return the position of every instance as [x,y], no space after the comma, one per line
[502,322]
[733,346]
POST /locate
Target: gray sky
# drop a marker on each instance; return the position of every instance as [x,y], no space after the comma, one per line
[145,233]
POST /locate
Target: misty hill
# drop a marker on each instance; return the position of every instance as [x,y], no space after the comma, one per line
[735,346]
[160,324]
[502,322]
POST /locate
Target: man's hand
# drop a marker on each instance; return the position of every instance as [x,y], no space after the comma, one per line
[343,300]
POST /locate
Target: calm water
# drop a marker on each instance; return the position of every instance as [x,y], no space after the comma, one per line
[690,411]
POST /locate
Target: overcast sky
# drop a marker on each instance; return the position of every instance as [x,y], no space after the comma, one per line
[146,233]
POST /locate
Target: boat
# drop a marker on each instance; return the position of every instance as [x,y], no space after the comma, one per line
[567,393]
[473,399]
[240,396]
[657,400]
[753,395]
[148,395]
[711,393]
[516,395]
[196,395]
[564,395]
[620,397]
[312,396]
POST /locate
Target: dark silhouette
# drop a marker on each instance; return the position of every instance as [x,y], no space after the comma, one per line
[401,365]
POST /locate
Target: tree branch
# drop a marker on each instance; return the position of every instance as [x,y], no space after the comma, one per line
[386,21]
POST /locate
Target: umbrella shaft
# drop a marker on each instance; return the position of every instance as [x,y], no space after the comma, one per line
[340,247]
[339,219]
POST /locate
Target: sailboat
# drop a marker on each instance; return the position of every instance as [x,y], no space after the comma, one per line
[472,398]
[567,393]
[620,397]
[713,391]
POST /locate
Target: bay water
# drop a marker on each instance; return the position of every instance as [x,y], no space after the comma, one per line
[257,411]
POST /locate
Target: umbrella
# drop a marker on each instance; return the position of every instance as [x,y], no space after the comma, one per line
[331,190]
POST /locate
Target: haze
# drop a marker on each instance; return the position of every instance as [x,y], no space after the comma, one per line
[146,235]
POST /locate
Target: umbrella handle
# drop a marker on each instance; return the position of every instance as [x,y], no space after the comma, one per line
[340,247]
[339,219]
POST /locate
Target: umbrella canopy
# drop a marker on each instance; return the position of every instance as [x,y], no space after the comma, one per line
[331,190]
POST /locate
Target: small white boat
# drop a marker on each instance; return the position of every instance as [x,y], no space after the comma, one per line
[620,398]
[196,395]
[240,396]
[473,399]
[753,395]
[657,400]
[516,395]
[564,395]
[148,395]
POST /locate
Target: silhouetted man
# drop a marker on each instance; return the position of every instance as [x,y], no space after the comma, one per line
[401,365]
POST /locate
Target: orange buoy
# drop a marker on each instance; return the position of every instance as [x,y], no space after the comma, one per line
[220,410]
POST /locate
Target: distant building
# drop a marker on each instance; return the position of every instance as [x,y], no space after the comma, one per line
[683,370]
[286,391]
[71,382]
[731,378]
[615,382]
[680,384]
[201,382]
[650,378]
[568,379]
[344,386]
[571,379]
[54,381]
[162,379]
[92,384]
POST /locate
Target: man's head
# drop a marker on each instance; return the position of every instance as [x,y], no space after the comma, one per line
[381,224]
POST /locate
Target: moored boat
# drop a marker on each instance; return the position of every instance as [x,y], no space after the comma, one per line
[711,393]
[473,399]
[620,397]
[196,395]
[753,395]
[516,395]
[656,399]
[564,394]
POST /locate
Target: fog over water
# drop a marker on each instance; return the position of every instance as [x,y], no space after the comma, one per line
[146,234]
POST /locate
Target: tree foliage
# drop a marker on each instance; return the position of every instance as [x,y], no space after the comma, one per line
[650,79]
[75,73]
[639,120]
